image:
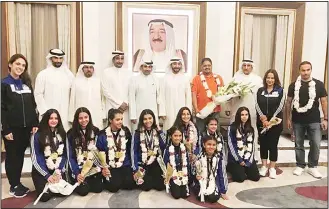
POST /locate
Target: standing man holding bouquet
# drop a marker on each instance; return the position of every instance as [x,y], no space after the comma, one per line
[203,87]
[245,76]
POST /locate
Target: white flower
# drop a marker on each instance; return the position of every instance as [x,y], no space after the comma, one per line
[239,143]
[219,147]
[60,149]
[247,155]
[249,149]
[47,151]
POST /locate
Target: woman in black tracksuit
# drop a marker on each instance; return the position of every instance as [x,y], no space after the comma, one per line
[269,104]
[19,118]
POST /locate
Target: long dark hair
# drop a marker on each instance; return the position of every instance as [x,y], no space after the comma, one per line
[25,75]
[46,135]
[141,119]
[276,78]
[179,122]
[76,133]
[237,122]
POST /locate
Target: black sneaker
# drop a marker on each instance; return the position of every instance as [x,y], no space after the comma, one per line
[17,191]
[24,188]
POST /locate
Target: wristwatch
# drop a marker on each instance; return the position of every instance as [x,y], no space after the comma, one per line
[326,119]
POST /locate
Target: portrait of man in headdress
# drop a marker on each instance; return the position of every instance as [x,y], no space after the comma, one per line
[167,37]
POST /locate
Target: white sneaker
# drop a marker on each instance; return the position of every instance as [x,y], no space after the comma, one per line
[263,171]
[272,172]
[298,171]
[314,172]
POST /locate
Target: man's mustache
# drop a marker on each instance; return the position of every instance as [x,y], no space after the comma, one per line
[157,39]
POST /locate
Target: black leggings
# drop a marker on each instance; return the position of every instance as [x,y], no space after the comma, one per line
[15,151]
[240,173]
[269,143]
[40,182]
[178,191]
[92,183]
[122,178]
[153,178]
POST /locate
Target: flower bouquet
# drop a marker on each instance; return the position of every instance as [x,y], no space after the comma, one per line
[225,93]
[273,122]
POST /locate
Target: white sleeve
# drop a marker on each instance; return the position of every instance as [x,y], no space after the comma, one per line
[160,99]
[72,106]
[188,94]
[132,99]
[40,83]
[107,91]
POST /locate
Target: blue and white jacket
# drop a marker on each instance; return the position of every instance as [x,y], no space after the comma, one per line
[102,145]
[221,177]
[39,159]
[136,153]
[233,155]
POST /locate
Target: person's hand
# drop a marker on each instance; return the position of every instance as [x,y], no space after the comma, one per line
[80,178]
[135,176]
[224,196]
[266,124]
[242,163]
[289,124]
[123,107]
[198,177]
[9,137]
[324,124]
[106,172]
[34,130]
[263,118]
[52,179]
[134,121]
[163,117]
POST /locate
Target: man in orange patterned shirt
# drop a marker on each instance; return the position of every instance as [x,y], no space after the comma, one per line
[204,86]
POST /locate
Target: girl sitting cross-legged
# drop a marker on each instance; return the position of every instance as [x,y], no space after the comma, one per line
[82,152]
[210,182]
[176,160]
[241,162]
[148,143]
[115,140]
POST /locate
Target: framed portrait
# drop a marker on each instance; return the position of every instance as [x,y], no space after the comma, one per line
[160,31]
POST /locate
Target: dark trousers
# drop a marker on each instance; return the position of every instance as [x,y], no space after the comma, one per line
[15,151]
[178,191]
[269,143]
[153,178]
[122,178]
[40,182]
[240,173]
[92,183]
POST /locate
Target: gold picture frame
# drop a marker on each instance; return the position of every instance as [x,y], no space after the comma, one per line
[126,30]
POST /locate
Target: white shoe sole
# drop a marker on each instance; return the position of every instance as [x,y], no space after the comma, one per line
[317,177]
[13,194]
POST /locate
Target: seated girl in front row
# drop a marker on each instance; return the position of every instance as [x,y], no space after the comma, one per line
[210,182]
[176,161]
[148,143]
[115,140]
[80,147]
[241,161]
[48,153]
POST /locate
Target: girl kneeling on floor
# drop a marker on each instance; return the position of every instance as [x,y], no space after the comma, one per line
[83,154]
[148,143]
[176,161]
[115,140]
[48,153]
[210,182]
[241,161]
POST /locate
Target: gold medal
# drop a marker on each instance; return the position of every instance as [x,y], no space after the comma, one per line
[54,155]
[118,154]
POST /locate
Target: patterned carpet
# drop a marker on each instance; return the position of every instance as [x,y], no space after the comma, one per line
[285,191]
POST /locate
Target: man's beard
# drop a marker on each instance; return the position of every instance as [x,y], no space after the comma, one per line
[118,65]
[176,70]
[88,75]
[57,64]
